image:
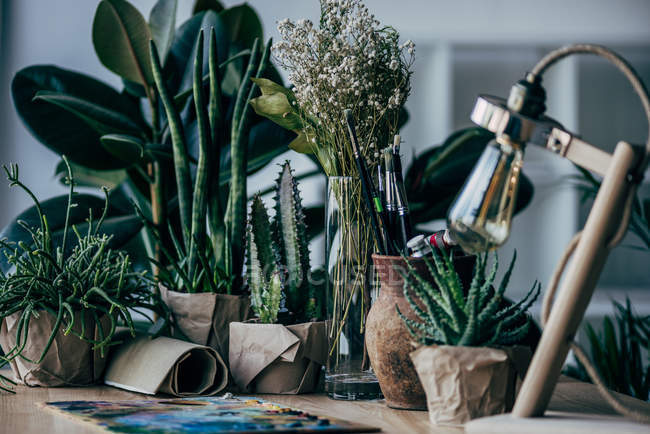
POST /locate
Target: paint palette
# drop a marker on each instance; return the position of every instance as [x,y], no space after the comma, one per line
[226,414]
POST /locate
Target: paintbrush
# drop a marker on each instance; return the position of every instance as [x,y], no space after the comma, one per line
[372,200]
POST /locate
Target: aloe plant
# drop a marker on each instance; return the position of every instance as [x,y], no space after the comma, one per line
[278,255]
[207,260]
[447,315]
[66,273]
[110,140]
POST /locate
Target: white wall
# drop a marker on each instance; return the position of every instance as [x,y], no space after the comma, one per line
[463,48]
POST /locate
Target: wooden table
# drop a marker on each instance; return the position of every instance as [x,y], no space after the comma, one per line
[20,413]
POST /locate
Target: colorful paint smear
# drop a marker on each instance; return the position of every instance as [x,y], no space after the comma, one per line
[226,414]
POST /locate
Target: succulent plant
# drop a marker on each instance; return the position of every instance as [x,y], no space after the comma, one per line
[66,273]
[278,255]
[447,315]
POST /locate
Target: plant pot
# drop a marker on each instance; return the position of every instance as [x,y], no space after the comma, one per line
[273,358]
[464,383]
[387,338]
[204,318]
[70,361]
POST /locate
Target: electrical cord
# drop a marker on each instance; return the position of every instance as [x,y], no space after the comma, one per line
[635,178]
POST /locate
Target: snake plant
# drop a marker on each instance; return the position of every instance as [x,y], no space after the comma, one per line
[449,315]
[64,274]
[278,256]
[208,253]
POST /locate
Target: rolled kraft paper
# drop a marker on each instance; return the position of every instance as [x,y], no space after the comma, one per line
[203,318]
[464,383]
[69,362]
[273,358]
[166,365]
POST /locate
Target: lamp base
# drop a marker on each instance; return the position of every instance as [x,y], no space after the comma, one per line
[575,407]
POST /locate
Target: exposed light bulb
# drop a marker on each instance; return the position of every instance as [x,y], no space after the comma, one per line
[479,219]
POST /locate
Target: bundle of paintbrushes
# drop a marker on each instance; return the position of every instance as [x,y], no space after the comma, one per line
[387,205]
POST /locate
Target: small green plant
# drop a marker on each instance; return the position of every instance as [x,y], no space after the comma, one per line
[52,274]
[450,316]
[623,362]
[278,256]
[209,253]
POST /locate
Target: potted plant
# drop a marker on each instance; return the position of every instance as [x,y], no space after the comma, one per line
[120,137]
[62,299]
[347,60]
[284,349]
[468,360]
[201,276]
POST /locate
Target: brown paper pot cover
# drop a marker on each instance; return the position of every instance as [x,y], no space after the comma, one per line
[203,318]
[69,361]
[464,383]
[273,358]
[387,338]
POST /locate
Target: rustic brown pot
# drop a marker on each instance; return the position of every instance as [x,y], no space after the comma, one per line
[387,338]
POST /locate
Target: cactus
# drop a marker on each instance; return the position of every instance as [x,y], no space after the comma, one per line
[280,248]
[263,266]
[449,316]
[196,264]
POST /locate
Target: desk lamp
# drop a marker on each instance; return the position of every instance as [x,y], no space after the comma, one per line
[479,219]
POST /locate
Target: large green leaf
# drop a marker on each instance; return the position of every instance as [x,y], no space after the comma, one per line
[207,5]
[101,119]
[85,177]
[435,177]
[243,24]
[121,39]
[127,148]
[266,141]
[59,129]
[180,60]
[121,227]
[162,22]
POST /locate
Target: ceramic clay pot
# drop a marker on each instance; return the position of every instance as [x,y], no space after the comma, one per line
[387,338]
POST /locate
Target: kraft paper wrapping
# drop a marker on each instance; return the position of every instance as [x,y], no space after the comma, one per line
[69,361]
[273,358]
[203,318]
[165,365]
[463,383]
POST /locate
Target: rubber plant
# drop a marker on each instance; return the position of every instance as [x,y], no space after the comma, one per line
[121,138]
[278,265]
[70,279]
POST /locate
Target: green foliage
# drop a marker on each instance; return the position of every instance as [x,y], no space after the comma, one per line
[448,315]
[264,277]
[588,185]
[278,256]
[51,273]
[441,171]
[620,353]
[208,260]
[108,138]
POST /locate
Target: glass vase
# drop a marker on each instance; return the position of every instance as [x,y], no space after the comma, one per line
[349,243]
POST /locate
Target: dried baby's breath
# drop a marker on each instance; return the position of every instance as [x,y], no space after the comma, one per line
[349,60]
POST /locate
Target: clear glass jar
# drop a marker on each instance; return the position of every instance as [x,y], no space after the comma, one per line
[349,243]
